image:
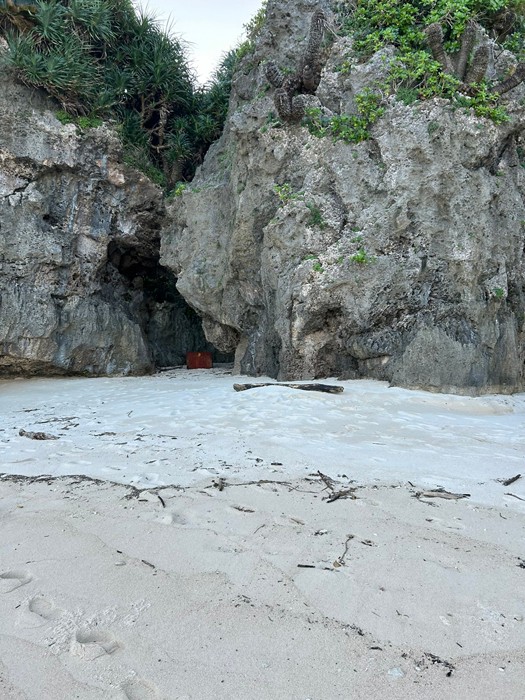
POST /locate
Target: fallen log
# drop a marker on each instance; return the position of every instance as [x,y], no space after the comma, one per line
[441,493]
[327,388]
[36,436]
[508,482]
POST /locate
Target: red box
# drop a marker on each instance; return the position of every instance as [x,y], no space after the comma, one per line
[199,360]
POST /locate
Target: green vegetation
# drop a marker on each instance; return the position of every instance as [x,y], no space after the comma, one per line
[498,293]
[287,194]
[316,216]
[179,189]
[83,123]
[252,30]
[271,122]
[415,73]
[317,265]
[432,127]
[351,128]
[435,56]
[100,59]
[362,257]
[377,23]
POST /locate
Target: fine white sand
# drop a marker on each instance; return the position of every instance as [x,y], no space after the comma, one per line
[164,586]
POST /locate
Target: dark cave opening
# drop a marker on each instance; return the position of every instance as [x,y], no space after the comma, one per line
[148,292]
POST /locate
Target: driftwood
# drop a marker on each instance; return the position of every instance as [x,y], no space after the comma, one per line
[340,561]
[508,482]
[327,388]
[36,436]
[344,493]
[441,493]
[335,495]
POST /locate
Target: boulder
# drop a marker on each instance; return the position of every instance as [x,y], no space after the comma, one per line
[400,258]
[81,287]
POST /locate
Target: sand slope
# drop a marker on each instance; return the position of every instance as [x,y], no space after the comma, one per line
[105,593]
[263,589]
[181,427]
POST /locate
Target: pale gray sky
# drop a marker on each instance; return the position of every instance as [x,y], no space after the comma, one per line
[211,26]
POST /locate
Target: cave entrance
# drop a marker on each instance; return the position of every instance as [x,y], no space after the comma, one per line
[149,292]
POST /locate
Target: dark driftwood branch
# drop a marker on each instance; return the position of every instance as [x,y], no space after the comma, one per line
[508,482]
[441,493]
[36,436]
[327,388]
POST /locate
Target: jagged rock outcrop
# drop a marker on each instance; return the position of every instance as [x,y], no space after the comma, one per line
[400,258]
[81,287]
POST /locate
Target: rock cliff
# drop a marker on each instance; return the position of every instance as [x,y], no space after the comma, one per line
[399,258]
[81,286]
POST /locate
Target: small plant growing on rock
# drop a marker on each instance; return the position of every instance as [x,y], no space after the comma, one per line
[83,123]
[362,257]
[317,266]
[271,122]
[432,127]
[407,95]
[316,216]
[286,193]
[350,128]
[179,188]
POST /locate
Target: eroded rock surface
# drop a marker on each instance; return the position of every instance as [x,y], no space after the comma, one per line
[400,258]
[81,287]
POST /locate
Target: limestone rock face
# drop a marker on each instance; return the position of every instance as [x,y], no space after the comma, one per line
[400,258]
[81,288]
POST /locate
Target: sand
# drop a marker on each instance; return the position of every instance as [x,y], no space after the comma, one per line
[182,544]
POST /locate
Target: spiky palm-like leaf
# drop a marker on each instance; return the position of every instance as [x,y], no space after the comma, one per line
[93,17]
[101,57]
[179,147]
[205,128]
[132,131]
[50,21]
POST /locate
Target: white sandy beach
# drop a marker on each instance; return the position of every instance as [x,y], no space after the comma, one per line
[203,558]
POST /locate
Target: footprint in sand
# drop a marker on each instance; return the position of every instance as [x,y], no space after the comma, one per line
[172,519]
[11,580]
[138,689]
[92,643]
[44,608]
